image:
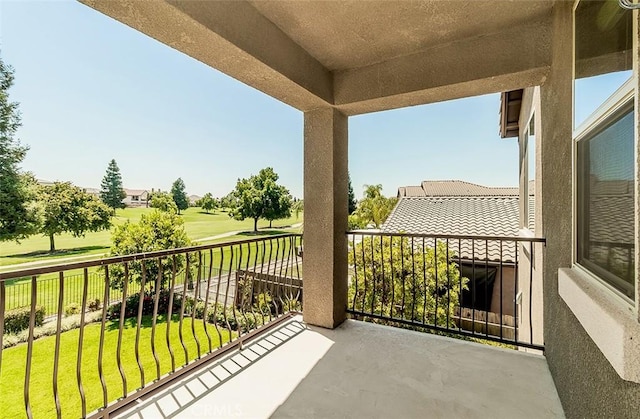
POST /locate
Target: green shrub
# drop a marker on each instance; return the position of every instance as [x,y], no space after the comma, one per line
[132,302]
[264,303]
[94,305]
[18,319]
[49,329]
[71,309]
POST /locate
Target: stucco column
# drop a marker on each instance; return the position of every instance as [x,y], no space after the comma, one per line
[325,217]
[553,210]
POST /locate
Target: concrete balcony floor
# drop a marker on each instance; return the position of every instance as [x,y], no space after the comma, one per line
[360,370]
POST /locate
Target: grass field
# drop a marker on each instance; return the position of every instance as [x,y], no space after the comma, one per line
[198,225]
[41,390]
[18,291]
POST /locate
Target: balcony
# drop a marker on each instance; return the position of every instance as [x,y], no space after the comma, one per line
[217,330]
[360,370]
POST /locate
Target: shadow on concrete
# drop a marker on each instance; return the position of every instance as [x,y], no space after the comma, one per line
[175,399]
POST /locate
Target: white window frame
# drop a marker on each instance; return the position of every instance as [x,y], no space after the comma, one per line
[617,101]
[525,169]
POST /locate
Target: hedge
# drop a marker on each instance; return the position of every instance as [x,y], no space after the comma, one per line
[17,319]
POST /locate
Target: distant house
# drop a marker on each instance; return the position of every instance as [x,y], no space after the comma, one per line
[92,191]
[460,188]
[193,199]
[455,207]
[44,182]
[136,198]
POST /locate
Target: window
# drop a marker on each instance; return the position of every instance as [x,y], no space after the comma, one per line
[602,54]
[528,173]
[527,147]
[531,151]
[605,144]
[605,201]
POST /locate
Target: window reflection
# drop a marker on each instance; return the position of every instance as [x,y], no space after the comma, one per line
[606,202]
[603,59]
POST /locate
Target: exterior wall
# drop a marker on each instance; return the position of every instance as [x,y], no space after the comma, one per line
[531,260]
[587,384]
[141,202]
[508,285]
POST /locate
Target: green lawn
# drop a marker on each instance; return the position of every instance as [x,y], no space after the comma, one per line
[41,391]
[18,291]
[198,225]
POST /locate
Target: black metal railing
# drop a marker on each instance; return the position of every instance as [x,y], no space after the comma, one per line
[474,286]
[18,291]
[157,316]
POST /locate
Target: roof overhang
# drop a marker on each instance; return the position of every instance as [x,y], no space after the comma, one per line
[510,104]
[355,56]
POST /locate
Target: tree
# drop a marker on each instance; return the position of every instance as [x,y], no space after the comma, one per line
[228,201]
[374,208]
[353,205]
[164,202]
[68,209]
[260,197]
[207,202]
[278,202]
[159,230]
[18,209]
[298,207]
[111,191]
[408,280]
[179,194]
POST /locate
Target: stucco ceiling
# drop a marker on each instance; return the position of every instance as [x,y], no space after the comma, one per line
[357,56]
[352,34]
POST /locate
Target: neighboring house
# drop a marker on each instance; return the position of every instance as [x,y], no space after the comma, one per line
[455,207]
[460,188]
[454,188]
[193,199]
[92,191]
[136,198]
[44,182]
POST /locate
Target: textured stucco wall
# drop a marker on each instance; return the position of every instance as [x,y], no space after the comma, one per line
[587,384]
[325,217]
[530,109]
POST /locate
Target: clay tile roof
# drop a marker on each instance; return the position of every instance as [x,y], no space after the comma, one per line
[456,188]
[462,215]
[410,191]
[462,188]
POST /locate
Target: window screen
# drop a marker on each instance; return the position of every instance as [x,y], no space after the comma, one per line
[605,180]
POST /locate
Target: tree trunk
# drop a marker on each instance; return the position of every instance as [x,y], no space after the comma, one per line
[52,244]
[255,225]
[270,221]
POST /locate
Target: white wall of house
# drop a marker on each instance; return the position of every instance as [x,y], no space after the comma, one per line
[136,198]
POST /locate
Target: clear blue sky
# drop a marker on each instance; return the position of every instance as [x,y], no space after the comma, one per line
[91,89]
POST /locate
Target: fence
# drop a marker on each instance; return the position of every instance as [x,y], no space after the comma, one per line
[168,312]
[474,286]
[18,292]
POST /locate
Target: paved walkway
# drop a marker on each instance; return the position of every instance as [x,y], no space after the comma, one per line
[235,233]
[47,262]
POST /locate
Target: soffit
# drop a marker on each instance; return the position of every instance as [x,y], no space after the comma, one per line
[353,34]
